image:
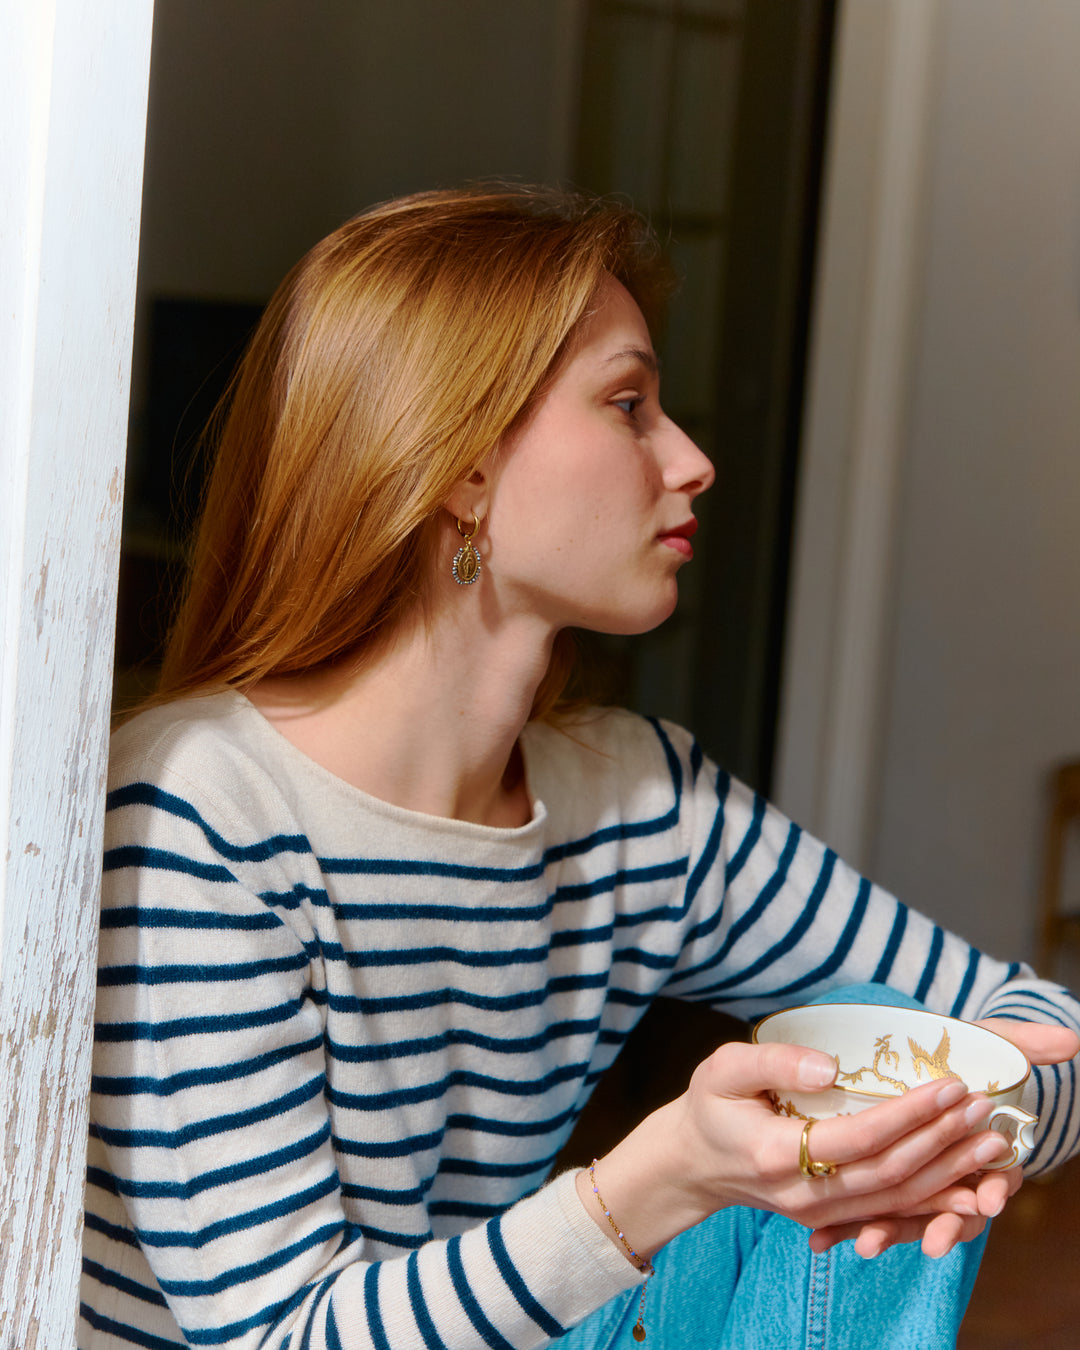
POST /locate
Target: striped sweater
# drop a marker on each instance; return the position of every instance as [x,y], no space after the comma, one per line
[339,1044]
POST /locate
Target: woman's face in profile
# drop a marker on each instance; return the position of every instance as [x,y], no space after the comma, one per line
[590,513]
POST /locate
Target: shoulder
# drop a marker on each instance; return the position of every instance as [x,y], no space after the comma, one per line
[201,740]
[612,755]
[210,762]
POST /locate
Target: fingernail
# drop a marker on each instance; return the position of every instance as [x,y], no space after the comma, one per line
[951,1092]
[991,1148]
[816,1071]
[962,1205]
[977,1112]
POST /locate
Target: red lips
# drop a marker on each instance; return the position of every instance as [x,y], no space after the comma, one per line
[685,531]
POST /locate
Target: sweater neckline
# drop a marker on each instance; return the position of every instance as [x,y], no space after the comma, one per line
[263,730]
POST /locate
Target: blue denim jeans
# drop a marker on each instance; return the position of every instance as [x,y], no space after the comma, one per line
[747,1280]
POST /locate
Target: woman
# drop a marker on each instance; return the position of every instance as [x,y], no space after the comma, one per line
[379,908]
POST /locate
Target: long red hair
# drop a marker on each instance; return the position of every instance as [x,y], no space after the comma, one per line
[388,365]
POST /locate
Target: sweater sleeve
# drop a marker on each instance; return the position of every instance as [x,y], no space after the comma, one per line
[214,1204]
[776,918]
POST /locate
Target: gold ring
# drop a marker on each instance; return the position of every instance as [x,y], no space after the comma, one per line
[807,1166]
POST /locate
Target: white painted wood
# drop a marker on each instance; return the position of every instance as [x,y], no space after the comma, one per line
[73,84]
[869,287]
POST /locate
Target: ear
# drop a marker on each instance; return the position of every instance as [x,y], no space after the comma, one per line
[469,497]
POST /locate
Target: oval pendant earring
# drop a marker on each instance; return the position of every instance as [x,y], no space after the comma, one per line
[466,565]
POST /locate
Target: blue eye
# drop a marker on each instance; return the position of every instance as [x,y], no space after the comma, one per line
[630,404]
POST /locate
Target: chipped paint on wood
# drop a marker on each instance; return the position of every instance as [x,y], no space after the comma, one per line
[74,80]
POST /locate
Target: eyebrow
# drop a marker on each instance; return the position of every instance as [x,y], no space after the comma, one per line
[639,354]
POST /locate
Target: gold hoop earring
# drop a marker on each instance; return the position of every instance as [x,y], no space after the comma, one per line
[466,565]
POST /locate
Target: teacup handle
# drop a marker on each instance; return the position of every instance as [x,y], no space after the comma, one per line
[1018,1127]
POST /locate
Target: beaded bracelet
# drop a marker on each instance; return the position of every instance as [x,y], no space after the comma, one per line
[643,1265]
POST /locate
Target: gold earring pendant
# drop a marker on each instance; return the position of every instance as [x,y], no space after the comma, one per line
[466,565]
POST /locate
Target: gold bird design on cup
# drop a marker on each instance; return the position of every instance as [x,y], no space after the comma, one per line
[936,1064]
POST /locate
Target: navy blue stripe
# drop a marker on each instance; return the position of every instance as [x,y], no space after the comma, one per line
[746,921]
[465,1209]
[628,876]
[413,1195]
[112,1280]
[611,834]
[203,1077]
[229,1279]
[110,1230]
[129,1335]
[838,955]
[705,864]
[438,998]
[222,1176]
[582,937]
[223,1334]
[471,1167]
[237,1223]
[407,867]
[393,1148]
[146,794]
[417,956]
[473,1310]
[305,1341]
[1042,1004]
[791,938]
[738,861]
[161,860]
[214,1025]
[399,911]
[513,1129]
[420,1311]
[517,1285]
[425,1092]
[371,1307]
[937,942]
[150,916]
[1044,1134]
[104,1181]
[424,1045]
[957,1008]
[333,1338]
[205,1129]
[201,973]
[1055,1097]
[892,946]
[406,1241]
[1060,1152]
[673,763]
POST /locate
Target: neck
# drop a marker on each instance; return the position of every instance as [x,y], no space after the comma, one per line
[430,724]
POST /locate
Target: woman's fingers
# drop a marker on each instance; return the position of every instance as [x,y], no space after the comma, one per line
[938,1234]
[995,1188]
[920,1124]
[1041,1043]
[740,1070]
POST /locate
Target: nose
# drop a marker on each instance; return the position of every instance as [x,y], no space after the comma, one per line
[685,467]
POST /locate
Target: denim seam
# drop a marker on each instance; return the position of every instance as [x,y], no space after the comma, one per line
[817,1311]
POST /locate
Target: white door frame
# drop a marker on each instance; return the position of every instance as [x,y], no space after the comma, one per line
[868,290]
[73,90]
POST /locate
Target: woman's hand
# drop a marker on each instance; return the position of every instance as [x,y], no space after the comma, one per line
[1041,1044]
[900,1164]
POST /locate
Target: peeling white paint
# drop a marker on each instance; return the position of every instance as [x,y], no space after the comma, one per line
[73,83]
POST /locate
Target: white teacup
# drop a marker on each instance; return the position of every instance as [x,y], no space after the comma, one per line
[882,1052]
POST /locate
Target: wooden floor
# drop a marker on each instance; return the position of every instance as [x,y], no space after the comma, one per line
[1028,1290]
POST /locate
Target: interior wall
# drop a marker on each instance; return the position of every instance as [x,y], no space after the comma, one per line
[249,164]
[981,693]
